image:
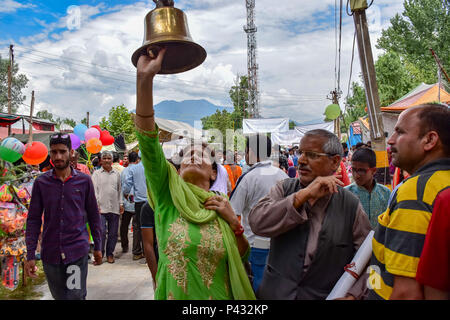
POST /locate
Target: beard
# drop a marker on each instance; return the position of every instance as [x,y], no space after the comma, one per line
[61,165]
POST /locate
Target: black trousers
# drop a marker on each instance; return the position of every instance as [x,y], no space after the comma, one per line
[138,247]
[124,224]
[67,281]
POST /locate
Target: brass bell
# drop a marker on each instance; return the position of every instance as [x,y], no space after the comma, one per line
[167,26]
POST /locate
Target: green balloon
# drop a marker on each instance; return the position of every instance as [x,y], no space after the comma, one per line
[332,111]
[9,155]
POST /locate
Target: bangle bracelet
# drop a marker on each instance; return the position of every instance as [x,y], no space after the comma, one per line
[150,116]
[239,231]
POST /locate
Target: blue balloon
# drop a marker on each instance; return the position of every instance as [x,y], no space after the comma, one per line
[79,131]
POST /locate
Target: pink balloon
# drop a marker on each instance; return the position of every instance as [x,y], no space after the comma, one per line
[91,133]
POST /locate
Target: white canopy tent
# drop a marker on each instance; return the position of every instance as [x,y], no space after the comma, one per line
[326,126]
[265,125]
[287,138]
[170,130]
[291,137]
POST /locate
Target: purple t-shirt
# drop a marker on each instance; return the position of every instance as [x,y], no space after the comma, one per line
[66,207]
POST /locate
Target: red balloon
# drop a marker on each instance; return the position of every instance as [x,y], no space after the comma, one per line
[36,153]
[106,138]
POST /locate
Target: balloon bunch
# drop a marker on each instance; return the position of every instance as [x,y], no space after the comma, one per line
[91,139]
[12,150]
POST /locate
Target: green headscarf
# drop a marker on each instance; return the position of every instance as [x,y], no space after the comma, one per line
[188,200]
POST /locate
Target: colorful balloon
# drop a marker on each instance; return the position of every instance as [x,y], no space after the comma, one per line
[98,128]
[36,153]
[79,130]
[332,111]
[76,143]
[94,145]
[91,133]
[11,149]
[106,138]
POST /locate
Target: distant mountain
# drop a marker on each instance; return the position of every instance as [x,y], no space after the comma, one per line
[186,111]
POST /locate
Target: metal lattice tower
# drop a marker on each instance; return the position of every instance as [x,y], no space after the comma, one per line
[252,66]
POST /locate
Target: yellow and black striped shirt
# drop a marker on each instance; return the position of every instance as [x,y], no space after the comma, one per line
[400,234]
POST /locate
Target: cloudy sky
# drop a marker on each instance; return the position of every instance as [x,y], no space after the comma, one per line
[77,54]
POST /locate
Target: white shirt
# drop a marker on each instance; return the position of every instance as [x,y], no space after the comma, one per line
[255,185]
[108,190]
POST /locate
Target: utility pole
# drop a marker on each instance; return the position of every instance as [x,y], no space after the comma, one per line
[10,70]
[30,131]
[337,125]
[377,134]
[440,66]
[87,119]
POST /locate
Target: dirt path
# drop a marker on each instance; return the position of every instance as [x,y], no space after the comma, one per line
[123,280]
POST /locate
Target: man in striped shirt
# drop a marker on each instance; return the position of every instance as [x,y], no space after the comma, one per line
[421,146]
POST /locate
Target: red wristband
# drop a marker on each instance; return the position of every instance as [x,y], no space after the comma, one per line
[239,231]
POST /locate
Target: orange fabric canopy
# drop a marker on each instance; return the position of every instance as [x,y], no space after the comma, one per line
[415,98]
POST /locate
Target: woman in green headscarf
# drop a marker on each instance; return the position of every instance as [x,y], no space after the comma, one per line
[200,239]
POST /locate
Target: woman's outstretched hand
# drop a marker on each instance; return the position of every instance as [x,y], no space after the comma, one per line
[148,66]
[223,207]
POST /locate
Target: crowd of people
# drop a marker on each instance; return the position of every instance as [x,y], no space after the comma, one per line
[265,224]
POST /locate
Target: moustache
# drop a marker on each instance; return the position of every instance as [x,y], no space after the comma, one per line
[393,149]
[303,167]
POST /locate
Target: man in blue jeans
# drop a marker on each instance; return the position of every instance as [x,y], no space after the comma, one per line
[135,180]
[250,187]
[66,197]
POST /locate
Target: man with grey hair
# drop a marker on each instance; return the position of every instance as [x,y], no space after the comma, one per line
[315,226]
[108,191]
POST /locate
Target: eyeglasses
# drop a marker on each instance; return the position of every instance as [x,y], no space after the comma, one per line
[56,136]
[313,155]
[360,171]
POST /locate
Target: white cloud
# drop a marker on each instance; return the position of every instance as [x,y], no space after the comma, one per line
[10,6]
[89,69]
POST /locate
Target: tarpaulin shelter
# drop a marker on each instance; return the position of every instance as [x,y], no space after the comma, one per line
[424,93]
[12,120]
[8,119]
[355,134]
[291,137]
[250,126]
[287,138]
[172,130]
[329,126]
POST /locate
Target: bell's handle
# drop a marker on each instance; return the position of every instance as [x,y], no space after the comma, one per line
[163,3]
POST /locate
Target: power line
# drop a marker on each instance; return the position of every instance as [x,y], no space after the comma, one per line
[351,70]
[340,45]
[133,73]
[292,97]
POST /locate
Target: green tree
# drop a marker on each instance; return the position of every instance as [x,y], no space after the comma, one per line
[291,125]
[355,106]
[44,114]
[225,120]
[18,83]
[84,121]
[70,122]
[221,120]
[119,121]
[423,24]
[393,78]
[239,97]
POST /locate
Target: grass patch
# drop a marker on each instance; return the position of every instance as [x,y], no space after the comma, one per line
[28,292]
